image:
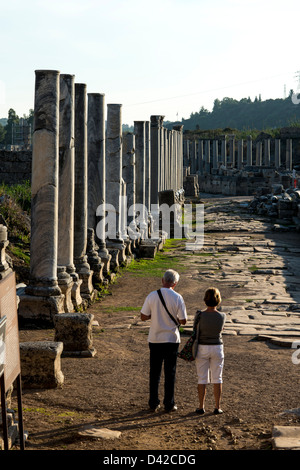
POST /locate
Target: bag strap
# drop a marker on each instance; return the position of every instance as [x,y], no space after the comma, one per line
[163,302]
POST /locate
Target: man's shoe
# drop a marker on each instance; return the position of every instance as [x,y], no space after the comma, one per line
[200,411]
[218,411]
[156,408]
[173,408]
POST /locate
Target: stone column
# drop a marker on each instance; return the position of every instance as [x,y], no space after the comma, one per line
[277,153]
[193,156]
[156,124]
[240,154]
[68,279]
[207,156]
[186,153]
[147,166]
[200,156]
[289,155]
[140,164]
[249,150]
[166,159]
[258,154]
[232,151]
[267,154]
[80,207]
[98,255]
[162,157]
[113,161]
[171,162]
[215,154]
[43,297]
[128,174]
[179,139]
[96,197]
[224,150]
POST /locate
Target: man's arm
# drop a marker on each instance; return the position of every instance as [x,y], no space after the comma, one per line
[145,317]
[182,322]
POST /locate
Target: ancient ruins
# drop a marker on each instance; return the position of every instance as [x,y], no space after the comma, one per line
[97,196]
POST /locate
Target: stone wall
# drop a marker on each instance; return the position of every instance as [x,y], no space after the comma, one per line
[15,166]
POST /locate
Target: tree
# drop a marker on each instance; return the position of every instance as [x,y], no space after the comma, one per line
[2,134]
[12,119]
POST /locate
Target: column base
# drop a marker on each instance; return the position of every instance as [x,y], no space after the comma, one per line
[65,283]
[40,310]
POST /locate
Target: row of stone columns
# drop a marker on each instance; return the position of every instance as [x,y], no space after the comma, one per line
[83,174]
[204,155]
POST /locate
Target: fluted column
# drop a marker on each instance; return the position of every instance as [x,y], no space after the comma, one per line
[43,298]
[80,206]
[68,279]
[113,164]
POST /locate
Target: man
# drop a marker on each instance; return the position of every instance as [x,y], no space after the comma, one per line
[164,338]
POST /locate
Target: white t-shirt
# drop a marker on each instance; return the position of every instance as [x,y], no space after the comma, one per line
[162,328]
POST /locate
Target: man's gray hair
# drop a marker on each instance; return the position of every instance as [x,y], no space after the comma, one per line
[171,276]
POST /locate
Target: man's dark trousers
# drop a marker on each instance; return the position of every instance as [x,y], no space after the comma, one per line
[162,353]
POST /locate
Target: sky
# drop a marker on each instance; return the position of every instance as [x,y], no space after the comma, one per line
[163,57]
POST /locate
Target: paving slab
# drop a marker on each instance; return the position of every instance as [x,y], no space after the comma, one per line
[286,437]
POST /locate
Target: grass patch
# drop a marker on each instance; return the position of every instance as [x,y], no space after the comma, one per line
[156,267]
[252,268]
[121,309]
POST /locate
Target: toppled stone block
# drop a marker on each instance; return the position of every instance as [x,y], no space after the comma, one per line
[286,437]
[148,248]
[74,330]
[41,364]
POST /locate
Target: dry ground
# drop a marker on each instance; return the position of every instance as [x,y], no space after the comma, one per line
[110,390]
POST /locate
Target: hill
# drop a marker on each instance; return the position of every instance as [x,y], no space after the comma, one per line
[244,114]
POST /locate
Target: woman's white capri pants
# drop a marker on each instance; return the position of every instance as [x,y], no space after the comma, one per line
[209,363]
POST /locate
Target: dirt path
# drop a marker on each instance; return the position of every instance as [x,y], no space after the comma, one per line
[110,390]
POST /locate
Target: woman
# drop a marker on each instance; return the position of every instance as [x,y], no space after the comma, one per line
[210,355]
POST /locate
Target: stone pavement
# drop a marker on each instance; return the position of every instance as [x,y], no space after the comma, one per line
[242,251]
[239,251]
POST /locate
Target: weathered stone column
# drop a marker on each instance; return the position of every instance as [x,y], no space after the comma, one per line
[267,153]
[113,162]
[156,124]
[98,256]
[200,156]
[277,153]
[128,174]
[80,207]
[289,155]
[140,172]
[43,297]
[249,150]
[179,140]
[207,156]
[258,154]
[147,166]
[215,154]
[193,157]
[68,279]
[232,151]
[240,154]
[186,153]
[224,150]
[166,159]
[96,174]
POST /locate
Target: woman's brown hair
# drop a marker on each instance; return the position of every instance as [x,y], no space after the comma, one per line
[212,297]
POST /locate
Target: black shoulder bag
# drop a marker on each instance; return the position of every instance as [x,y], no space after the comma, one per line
[163,302]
